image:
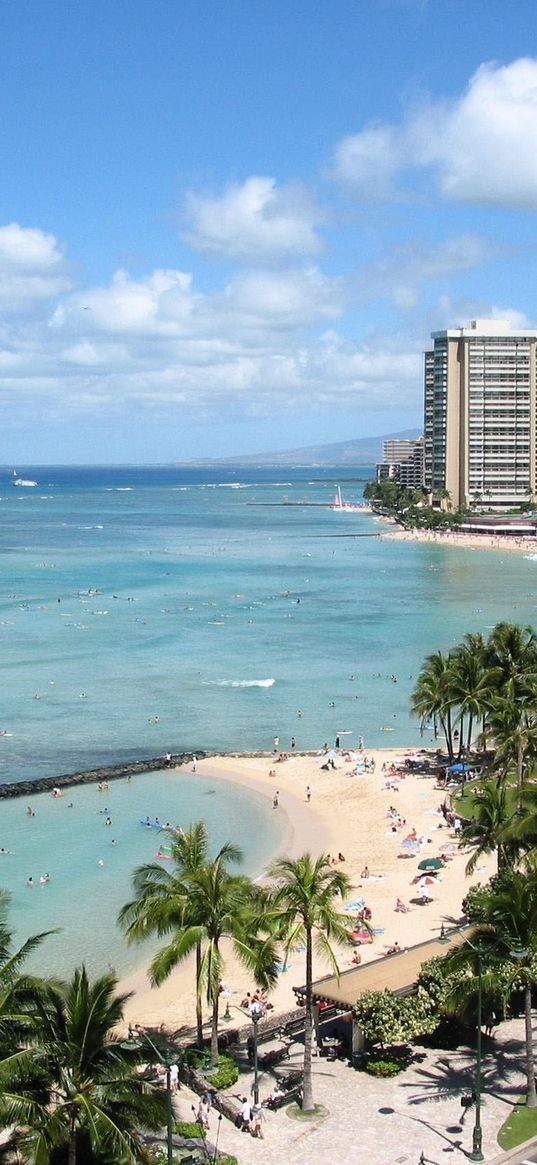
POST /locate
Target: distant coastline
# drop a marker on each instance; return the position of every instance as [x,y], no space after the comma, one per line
[471,541]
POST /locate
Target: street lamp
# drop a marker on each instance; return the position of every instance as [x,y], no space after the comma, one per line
[477,1136]
[134,1042]
[477,1133]
[255,1012]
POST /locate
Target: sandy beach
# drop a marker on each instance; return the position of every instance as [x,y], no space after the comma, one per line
[346,814]
[470,541]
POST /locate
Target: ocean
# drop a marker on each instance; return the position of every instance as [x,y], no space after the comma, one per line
[153,609]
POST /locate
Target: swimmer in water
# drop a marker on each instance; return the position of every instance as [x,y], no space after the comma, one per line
[100,862]
[30,882]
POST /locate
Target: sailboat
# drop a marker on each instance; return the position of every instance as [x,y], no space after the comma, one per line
[24,481]
[343,507]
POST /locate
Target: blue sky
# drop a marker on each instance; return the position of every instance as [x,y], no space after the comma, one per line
[230,227]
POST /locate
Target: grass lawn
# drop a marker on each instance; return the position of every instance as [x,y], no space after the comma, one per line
[520,1125]
[465,804]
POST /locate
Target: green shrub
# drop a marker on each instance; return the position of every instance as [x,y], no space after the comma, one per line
[377,1067]
[227,1161]
[189,1129]
[226,1074]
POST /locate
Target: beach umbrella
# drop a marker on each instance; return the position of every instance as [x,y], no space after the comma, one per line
[460,766]
[431,864]
[427,882]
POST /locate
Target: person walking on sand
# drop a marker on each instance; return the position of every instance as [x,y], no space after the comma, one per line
[194,763]
[308,793]
[276,800]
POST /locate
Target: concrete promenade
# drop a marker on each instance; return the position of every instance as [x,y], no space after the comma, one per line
[386,1121]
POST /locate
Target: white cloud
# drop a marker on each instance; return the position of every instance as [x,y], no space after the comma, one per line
[368,162]
[253,222]
[481,146]
[401,273]
[257,345]
[32,266]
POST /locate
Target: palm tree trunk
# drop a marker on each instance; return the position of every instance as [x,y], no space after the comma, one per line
[199,1004]
[307,1093]
[519,774]
[214,1028]
[531,1100]
[470,731]
[71,1148]
[449,734]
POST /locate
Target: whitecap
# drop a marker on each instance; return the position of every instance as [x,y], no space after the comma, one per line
[241,683]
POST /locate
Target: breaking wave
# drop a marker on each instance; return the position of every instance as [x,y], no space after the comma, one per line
[242,683]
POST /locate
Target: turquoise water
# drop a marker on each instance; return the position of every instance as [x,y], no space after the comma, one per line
[147,610]
[218,616]
[90,863]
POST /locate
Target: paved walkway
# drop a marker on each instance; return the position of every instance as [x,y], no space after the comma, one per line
[386,1121]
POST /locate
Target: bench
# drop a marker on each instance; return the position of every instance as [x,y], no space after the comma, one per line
[264,1034]
[294,1026]
[279,1101]
[273,1056]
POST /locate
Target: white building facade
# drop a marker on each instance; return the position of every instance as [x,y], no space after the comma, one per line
[480,415]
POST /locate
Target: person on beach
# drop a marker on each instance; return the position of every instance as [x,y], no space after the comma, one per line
[400,907]
[308,793]
[293,742]
[276,743]
[194,763]
[276,800]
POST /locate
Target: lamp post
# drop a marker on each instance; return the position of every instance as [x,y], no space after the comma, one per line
[133,1043]
[477,1134]
[255,1012]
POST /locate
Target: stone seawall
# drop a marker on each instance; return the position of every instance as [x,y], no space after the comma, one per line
[92,776]
[115,772]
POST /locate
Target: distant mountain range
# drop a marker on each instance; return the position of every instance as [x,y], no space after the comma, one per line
[362,451]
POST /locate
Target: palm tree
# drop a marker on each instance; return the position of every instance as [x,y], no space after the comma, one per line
[73,1086]
[18,990]
[196,908]
[505,946]
[471,689]
[513,650]
[162,897]
[303,910]
[431,697]
[486,832]
[513,725]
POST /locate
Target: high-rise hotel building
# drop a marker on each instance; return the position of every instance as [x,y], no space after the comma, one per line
[480,415]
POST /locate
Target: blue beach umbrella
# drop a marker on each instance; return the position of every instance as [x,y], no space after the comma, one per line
[460,766]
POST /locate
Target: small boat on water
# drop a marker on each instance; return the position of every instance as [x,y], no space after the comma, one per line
[26,482]
[341,506]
